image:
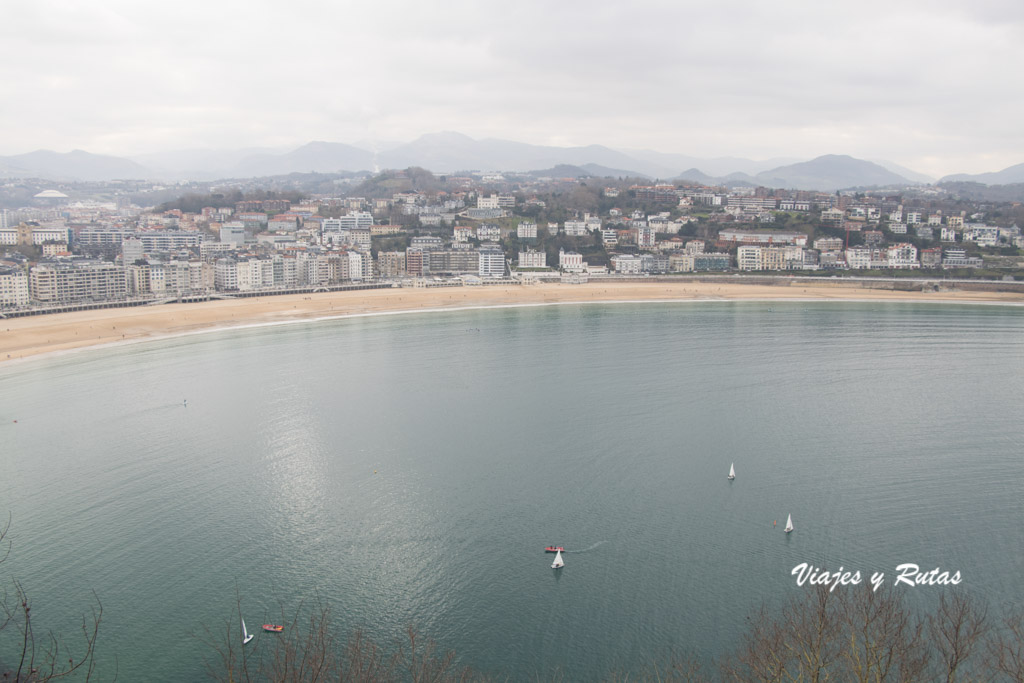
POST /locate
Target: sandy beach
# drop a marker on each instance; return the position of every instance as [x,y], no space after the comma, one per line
[33,335]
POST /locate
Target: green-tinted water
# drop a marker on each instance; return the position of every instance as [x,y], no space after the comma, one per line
[410,470]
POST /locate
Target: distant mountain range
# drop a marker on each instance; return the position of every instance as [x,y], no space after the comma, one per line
[1008,176]
[453,152]
[76,165]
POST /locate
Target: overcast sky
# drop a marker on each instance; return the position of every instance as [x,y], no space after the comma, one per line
[932,85]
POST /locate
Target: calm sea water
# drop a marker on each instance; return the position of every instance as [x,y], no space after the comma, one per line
[410,470]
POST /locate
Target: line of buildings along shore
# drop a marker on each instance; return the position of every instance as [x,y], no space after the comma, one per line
[95,253]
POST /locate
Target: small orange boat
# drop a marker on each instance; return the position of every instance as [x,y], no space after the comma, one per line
[272,628]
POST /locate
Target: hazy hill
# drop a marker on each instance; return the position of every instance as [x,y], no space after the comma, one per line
[313,157]
[76,165]
[740,180]
[907,173]
[450,152]
[979,192]
[716,167]
[830,173]
[585,171]
[697,176]
[1008,176]
[826,173]
[199,164]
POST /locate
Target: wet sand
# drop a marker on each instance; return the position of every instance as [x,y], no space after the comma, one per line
[34,335]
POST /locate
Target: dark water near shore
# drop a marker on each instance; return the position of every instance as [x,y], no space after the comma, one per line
[410,469]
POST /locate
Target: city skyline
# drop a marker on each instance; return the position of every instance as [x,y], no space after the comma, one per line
[922,84]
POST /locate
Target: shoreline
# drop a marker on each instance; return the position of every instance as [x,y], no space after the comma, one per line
[34,336]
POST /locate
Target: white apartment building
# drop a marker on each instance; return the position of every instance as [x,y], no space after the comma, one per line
[492,262]
[832,216]
[866,257]
[533,259]
[681,262]
[748,257]
[526,231]
[488,233]
[902,256]
[283,224]
[358,265]
[156,241]
[233,233]
[13,287]
[645,237]
[982,235]
[757,257]
[391,263]
[131,251]
[828,243]
[488,202]
[33,235]
[626,264]
[354,220]
[755,237]
[77,281]
[255,273]
[575,228]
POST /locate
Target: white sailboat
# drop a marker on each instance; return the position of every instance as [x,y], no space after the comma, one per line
[246,636]
[558,563]
[732,471]
[789,523]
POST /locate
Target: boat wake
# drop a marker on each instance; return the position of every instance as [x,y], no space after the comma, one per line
[586,550]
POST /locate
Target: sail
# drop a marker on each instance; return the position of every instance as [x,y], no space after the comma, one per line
[789,523]
[732,471]
[558,560]
[245,634]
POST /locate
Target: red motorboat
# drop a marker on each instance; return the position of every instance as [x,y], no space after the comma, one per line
[272,628]
[554,549]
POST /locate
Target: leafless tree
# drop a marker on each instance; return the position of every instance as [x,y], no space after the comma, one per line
[1006,649]
[881,641]
[821,636]
[41,656]
[799,645]
[955,631]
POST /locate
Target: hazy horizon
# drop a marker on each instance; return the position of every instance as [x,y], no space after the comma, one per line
[918,84]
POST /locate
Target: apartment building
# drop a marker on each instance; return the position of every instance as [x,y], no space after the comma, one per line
[13,287]
[76,281]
